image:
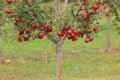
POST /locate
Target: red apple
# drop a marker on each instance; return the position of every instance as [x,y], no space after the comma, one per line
[69,37]
[85,3]
[17,19]
[74,38]
[91,38]
[8,11]
[87,40]
[69,31]
[42,27]
[106,7]
[26,38]
[85,15]
[49,29]
[95,6]
[66,28]
[72,35]
[34,25]
[75,32]
[9,1]
[28,31]
[21,31]
[60,34]
[88,30]
[95,28]
[40,35]
[20,39]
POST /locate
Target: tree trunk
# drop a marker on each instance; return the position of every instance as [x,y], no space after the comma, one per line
[59,59]
[0,47]
[108,33]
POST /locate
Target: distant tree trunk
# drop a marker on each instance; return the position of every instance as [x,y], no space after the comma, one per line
[108,33]
[59,60]
[0,47]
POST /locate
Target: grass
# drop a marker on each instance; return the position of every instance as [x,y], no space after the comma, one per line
[28,61]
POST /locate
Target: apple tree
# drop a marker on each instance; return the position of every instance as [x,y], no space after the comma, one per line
[35,20]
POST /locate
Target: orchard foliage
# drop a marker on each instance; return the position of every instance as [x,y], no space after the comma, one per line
[34,19]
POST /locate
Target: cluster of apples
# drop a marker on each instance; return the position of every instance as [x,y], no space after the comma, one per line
[73,34]
[42,30]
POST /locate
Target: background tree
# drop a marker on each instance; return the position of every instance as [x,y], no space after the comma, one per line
[35,20]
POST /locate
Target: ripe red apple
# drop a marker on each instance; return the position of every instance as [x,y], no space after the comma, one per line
[85,15]
[20,39]
[8,11]
[34,25]
[88,30]
[75,32]
[49,29]
[95,6]
[42,27]
[95,28]
[68,36]
[106,7]
[40,35]
[87,40]
[60,34]
[74,38]
[17,19]
[91,38]
[28,31]
[72,35]
[66,28]
[69,31]
[9,1]
[26,38]
[21,31]
[85,3]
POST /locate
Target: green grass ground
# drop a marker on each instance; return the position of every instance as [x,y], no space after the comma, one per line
[81,61]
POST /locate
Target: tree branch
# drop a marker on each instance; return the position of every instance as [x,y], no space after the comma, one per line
[26,1]
[65,5]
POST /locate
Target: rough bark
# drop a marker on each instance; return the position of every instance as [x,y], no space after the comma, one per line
[108,33]
[59,60]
